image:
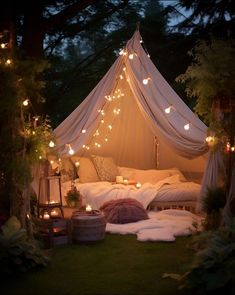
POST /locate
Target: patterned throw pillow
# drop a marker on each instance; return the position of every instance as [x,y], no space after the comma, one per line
[67,170]
[106,168]
[122,211]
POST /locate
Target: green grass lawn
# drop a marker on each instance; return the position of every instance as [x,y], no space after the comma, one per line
[120,265]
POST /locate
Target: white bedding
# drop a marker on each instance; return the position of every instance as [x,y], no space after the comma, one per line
[168,189]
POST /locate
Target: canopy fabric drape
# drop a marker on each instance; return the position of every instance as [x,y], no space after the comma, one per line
[129,108]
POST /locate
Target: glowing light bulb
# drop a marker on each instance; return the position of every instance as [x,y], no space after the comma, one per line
[77,163]
[145,81]
[232,149]
[83,130]
[51,144]
[110,127]
[209,139]
[168,110]
[121,77]
[40,157]
[71,151]
[121,52]
[102,121]
[131,56]
[3,45]
[51,162]
[8,61]
[106,139]
[124,69]
[25,102]
[148,55]
[141,41]
[186,126]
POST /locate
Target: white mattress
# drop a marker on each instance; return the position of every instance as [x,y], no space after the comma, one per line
[178,192]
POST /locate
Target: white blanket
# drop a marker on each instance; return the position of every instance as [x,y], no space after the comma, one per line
[164,226]
[96,194]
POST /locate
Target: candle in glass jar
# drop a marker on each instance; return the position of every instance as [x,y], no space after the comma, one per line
[54,213]
[138,185]
[125,181]
[46,216]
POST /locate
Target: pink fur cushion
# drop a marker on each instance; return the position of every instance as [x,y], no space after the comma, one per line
[123,211]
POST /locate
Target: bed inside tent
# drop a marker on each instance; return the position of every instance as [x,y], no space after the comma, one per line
[133,125]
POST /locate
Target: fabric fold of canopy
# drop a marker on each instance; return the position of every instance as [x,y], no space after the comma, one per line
[131,107]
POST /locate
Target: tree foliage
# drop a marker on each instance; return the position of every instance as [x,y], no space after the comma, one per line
[206,17]
[211,76]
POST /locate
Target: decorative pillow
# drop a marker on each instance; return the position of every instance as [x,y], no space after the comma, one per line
[86,170]
[67,170]
[105,167]
[122,211]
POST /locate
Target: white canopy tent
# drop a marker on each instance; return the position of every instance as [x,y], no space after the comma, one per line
[134,116]
[142,117]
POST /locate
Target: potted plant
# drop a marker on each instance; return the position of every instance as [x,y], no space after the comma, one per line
[73,197]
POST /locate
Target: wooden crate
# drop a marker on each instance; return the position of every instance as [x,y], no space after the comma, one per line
[53,232]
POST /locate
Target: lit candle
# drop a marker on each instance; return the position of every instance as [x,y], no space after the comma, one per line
[54,213]
[46,216]
[138,185]
[88,208]
[125,181]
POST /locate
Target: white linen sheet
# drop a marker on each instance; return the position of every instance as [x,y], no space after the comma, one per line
[96,194]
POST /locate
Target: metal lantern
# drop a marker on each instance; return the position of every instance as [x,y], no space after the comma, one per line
[50,198]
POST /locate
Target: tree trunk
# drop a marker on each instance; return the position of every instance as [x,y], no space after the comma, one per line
[33,33]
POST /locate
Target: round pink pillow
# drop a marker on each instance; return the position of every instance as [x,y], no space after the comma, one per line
[123,211]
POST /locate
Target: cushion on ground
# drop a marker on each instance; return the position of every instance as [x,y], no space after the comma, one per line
[122,211]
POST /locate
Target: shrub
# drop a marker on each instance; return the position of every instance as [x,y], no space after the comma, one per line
[213,269]
[213,202]
[18,253]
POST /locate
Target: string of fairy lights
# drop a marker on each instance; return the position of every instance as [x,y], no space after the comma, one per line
[6,60]
[125,53]
[112,104]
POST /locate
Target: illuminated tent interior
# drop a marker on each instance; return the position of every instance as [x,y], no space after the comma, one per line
[134,116]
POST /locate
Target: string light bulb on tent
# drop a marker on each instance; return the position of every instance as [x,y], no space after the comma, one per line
[71,151]
[83,130]
[146,80]
[187,126]
[168,110]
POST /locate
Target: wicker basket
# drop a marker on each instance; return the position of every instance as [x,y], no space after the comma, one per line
[88,228]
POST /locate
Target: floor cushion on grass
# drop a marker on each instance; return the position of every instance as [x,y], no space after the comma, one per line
[122,211]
